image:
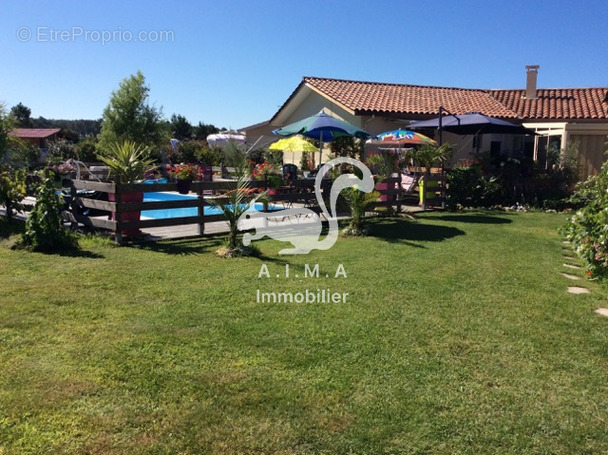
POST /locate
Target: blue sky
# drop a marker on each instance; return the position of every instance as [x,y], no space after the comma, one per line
[233,63]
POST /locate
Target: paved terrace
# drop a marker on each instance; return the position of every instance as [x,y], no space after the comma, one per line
[211,228]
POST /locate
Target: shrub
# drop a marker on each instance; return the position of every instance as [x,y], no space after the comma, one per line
[86,150]
[189,151]
[23,155]
[60,150]
[467,187]
[209,156]
[43,230]
[12,191]
[587,229]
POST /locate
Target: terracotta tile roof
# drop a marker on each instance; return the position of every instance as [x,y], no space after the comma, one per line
[35,133]
[364,97]
[416,100]
[558,103]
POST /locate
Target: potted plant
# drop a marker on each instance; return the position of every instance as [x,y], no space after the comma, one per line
[128,164]
[185,174]
[268,173]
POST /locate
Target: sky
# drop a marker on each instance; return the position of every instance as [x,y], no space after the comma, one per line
[234,63]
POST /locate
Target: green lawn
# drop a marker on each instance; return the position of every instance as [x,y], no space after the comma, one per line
[457,336]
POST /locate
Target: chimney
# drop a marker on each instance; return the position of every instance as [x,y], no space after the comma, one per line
[531,73]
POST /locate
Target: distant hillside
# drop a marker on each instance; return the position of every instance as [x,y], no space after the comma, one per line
[81,128]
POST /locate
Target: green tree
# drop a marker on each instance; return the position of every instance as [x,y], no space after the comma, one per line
[129,117]
[22,115]
[180,127]
[5,127]
[9,145]
[202,130]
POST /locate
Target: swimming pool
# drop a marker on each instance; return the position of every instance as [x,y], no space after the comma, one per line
[186,211]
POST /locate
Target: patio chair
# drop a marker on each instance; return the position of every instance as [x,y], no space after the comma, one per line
[290,172]
[206,175]
[409,181]
[84,173]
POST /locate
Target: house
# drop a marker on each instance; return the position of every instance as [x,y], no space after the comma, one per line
[36,136]
[559,116]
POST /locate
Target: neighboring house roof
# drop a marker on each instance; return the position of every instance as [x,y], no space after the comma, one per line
[255,125]
[34,133]
[366,98]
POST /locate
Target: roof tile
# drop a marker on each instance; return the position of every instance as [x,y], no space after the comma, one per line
[375,97]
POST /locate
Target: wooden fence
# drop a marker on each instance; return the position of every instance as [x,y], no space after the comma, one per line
[115,219]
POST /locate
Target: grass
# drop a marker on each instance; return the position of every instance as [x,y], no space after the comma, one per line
[458,337]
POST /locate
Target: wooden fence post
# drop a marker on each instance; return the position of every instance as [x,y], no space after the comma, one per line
[201,211]
[400,193]
[118,215]
[73,206]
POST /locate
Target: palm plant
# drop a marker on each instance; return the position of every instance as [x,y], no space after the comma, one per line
[357,202]
[236,202]
[383,165]
[427,155]
[127,161]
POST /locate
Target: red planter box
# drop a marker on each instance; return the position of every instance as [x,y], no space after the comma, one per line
[131,215]
[383,186]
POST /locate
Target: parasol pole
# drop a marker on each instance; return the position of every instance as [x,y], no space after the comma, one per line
[440,125]
[321,148]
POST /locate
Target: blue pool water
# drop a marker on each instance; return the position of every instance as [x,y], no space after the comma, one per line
[182,212]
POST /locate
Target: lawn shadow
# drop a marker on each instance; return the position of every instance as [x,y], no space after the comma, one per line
[184,246]
[194,245]
[410,232]
[80,254]
[76,253]
[13,228]
[480,218]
